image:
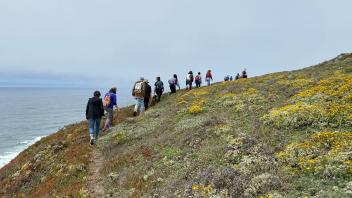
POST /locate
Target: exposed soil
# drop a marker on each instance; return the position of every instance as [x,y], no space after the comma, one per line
[95,182]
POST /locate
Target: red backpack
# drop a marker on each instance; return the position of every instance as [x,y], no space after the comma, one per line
[197,78]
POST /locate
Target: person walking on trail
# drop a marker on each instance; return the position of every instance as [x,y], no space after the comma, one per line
[139,92]
[172,84]
[237,76]
[208,77]
[198,80]
[159,88]
[109,102]
[244,73]
[189,80]
[231,78]
[148,94]
[94,112]
[177,82]
[227,78]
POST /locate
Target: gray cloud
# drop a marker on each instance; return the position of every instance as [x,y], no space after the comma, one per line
[115,41]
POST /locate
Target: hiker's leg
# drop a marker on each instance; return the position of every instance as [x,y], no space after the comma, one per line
[141,105]
[136,106]
[146,103]
[158,95]
[97,127]
[108,119]
[91,128]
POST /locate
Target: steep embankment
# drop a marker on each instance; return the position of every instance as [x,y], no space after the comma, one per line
[285,134]
[57,165]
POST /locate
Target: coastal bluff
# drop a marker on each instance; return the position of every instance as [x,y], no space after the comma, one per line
[285,134]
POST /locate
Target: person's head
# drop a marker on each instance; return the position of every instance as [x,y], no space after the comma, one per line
[198,73]
[97,94]
[238,74]
[209,70]
[113,90]
[158,78]
[190,72]
[141,78]
[175,76]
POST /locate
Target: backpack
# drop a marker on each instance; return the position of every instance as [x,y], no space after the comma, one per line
[172,81]
[197,78]
[159,85]
[138,88]
[107,100]
[208,75]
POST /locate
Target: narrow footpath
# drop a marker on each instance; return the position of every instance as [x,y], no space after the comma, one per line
[95,182]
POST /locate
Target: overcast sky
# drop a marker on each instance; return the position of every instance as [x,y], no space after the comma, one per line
[104,42]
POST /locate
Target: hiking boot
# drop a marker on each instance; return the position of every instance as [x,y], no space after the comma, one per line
[91,141]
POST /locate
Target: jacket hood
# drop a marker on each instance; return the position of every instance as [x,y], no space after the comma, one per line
[94,100]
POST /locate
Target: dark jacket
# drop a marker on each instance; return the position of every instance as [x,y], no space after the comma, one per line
[148,91]
[95,109]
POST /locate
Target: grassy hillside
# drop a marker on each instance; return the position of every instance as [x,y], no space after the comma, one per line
[286,134]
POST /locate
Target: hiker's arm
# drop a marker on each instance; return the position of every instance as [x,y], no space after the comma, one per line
[87,110]
[101,106]
[133,90]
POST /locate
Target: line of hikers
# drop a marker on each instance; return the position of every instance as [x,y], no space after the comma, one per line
[142,92]
[237,77]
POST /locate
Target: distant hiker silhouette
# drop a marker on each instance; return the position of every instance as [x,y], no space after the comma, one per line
[172,84]
[189,80]
[244,73]
[159,88]
[198,80]
[148,93]
[208,77]
[139,92]
[237,76]
[177,82]
[109,103]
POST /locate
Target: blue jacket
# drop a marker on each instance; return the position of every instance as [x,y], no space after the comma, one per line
[112,100]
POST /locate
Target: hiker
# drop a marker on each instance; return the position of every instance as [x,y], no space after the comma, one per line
[226,78]
[148,94]
[172,83]
[189,80]
[198,80]
[109,102]
[139,92]
[231,78]
[177,82]
[237,76]
[244,73]
[94,112]
[159,88]
[208,77]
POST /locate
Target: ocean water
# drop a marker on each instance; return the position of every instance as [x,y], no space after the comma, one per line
[28,114]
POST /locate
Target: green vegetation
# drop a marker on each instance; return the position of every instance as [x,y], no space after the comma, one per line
[284,134]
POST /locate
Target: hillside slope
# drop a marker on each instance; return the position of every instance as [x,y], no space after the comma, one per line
[286,134]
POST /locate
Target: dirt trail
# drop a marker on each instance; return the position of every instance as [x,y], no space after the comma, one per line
[95,181]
